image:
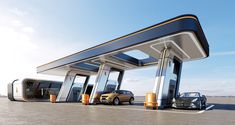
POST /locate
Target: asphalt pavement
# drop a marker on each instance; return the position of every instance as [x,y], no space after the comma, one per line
[220,111]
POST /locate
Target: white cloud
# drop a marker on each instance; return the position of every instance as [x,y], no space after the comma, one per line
[28,29]
[17,23]
[17,12]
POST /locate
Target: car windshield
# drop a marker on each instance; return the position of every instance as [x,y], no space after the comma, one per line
[103,92]
[117,91]
[190,94]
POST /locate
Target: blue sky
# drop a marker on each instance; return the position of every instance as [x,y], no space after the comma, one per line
[34,32]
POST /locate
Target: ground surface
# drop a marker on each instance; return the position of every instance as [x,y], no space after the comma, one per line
[221,111]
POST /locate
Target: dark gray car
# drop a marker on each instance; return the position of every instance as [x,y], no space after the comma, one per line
[190,100]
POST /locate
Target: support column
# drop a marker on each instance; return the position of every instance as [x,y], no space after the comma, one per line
[66,86]
[120,77]
[84,88]
[101,81]
[177,70]
[165,79]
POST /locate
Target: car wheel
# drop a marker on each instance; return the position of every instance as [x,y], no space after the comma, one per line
[204,105]
[131,101]
[116,101]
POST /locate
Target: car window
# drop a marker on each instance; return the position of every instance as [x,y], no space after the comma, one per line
[117,91]
[190,94]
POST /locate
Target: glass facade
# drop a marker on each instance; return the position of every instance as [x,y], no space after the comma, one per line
[76,89]
[39,89]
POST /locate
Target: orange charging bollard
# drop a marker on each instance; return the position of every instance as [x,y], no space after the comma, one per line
[151,101]
[53,98]
[85,99]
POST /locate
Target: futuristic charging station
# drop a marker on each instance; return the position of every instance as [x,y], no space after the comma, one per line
[167,44]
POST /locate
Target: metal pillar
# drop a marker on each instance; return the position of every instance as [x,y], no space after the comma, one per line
[66,86]
[177,70]
[84,87]
[165,82]
[120,77]
[100,82]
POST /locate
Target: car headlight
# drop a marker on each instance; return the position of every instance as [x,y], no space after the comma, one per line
[193,105]
[173,100]
[173,105]
[109,98]
[194,100]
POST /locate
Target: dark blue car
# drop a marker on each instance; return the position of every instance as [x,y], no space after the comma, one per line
[190,100]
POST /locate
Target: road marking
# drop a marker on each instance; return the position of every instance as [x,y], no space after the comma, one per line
[179,112]
[209,107]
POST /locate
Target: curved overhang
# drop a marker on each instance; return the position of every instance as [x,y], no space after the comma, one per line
[183,35]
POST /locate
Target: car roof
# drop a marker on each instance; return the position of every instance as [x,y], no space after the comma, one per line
[126,90]
[189,92]
[123,90]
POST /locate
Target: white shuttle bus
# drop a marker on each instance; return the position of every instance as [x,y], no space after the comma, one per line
[32,89]
[29,89]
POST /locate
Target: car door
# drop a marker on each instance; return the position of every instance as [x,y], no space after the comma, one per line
[203,98]
[122,96]
[200,97]
[127,96]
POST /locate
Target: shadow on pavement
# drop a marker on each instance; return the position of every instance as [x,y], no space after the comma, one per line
[127,104]
[138,104]
[220,106]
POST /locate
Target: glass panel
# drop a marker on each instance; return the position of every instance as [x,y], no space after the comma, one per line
[55,88]
[42,92]
[79,79]
[29,89]
[111,85]
[76,89]
[113,76]
[137,54]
